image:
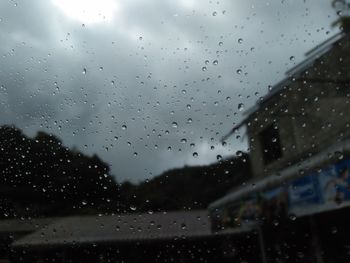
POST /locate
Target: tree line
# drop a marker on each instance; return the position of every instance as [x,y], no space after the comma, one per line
[41,177]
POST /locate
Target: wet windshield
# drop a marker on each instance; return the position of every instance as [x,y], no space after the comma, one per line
[174,131]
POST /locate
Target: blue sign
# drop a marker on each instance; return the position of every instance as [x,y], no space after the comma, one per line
[304,191]
[335,183]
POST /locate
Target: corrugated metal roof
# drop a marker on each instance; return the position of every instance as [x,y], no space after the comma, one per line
[120,228]
[24,225]
[315,53]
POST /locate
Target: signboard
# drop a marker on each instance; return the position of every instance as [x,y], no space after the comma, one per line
[320,191]
[304,191]
[335,183]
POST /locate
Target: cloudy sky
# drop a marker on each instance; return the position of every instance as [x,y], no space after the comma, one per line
[146,84]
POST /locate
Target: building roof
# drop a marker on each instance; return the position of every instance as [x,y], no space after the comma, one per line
[296,71]
[24,225]
[120,228]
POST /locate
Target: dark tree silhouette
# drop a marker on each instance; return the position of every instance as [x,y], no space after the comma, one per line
[188,187]
[41,177]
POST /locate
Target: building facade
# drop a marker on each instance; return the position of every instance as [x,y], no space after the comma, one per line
[299,141]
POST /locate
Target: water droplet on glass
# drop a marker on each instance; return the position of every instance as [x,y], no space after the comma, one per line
[84,71]
[292,217]
[338,155]
[292,58]
[195,154]
[334,230]
[214,13]
[240,40]
[215,62]
[124,127]
[240,106]
[204,68]
[174,124]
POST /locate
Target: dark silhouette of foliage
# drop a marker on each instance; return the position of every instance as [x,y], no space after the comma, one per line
[187,187]
[41,177]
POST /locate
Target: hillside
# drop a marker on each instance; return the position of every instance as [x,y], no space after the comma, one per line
[187,187]
[42,177]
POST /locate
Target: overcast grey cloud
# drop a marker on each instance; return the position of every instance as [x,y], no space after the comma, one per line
[145,84]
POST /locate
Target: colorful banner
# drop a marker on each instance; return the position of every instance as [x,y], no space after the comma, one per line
[335,183]
[304,191]
[320,191]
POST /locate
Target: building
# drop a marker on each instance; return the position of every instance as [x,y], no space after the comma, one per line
[299,140]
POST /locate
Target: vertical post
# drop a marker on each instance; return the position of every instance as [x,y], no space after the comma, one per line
[315,241]
[262,245]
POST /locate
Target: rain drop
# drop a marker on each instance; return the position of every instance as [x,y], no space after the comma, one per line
[292,217]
